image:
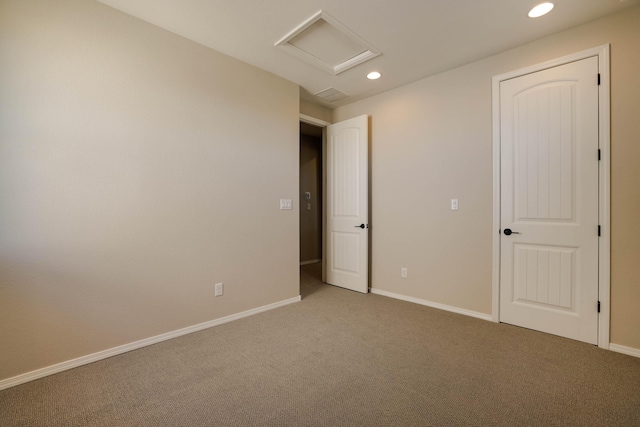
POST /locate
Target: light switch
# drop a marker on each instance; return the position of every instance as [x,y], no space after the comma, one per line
[454,204]
[286,204]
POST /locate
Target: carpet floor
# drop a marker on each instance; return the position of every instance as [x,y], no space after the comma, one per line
[339,358]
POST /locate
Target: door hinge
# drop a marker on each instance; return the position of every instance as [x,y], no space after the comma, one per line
[598,306]
[599,231]
[598,79]
[599,154]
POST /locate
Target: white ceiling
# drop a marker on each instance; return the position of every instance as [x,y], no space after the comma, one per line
[417,38]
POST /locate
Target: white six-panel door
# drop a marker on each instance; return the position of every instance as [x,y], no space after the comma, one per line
[549,200]
[347,204]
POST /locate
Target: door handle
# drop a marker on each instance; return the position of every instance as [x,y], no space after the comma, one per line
[360,226]
[508,232]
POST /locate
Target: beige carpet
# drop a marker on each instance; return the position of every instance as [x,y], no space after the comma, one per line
[340,358]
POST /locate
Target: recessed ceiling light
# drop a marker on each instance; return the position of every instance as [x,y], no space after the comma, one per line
[374,75]
[541,9]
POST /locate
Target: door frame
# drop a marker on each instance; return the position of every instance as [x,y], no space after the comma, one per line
[604,179]
[323,125]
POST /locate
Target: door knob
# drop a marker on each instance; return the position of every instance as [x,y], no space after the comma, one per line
[359,226]
[508,232]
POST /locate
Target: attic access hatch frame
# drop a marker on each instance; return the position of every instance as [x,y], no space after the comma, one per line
[308,35]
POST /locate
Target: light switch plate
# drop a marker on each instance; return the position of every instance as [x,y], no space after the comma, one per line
[286,204]
[454,204]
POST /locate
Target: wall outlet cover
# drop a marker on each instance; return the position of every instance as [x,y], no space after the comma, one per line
[219,289]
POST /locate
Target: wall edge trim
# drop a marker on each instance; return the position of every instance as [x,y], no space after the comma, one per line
[630,351]
[104,354]
[432,304]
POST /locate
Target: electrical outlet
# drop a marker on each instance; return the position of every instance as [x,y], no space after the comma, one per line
[403,272]
[218,290]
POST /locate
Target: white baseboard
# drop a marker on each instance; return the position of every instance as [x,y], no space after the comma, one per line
[432,304]
[313,261]
[90,358]
[613,347]
[625,350]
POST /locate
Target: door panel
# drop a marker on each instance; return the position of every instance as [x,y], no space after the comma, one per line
[347,204]
[543,146]
[544,275]
[549,198]
[346,252]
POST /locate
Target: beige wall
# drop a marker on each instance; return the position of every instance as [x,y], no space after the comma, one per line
[432,142]
[311,181]
[137,169]
[315,111]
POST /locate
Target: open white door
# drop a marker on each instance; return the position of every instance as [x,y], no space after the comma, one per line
[347,207]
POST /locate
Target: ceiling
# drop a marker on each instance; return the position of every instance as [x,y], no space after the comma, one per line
[416,38]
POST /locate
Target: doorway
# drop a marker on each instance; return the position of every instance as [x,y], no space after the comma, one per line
[337,224]
[311,190]
[551,199]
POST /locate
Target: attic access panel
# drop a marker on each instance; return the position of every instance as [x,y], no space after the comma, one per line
[326,43]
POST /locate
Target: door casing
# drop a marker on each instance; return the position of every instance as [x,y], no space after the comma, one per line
[604,178]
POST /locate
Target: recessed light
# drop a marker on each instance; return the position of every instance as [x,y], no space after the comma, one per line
[541,9]
[374,75]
